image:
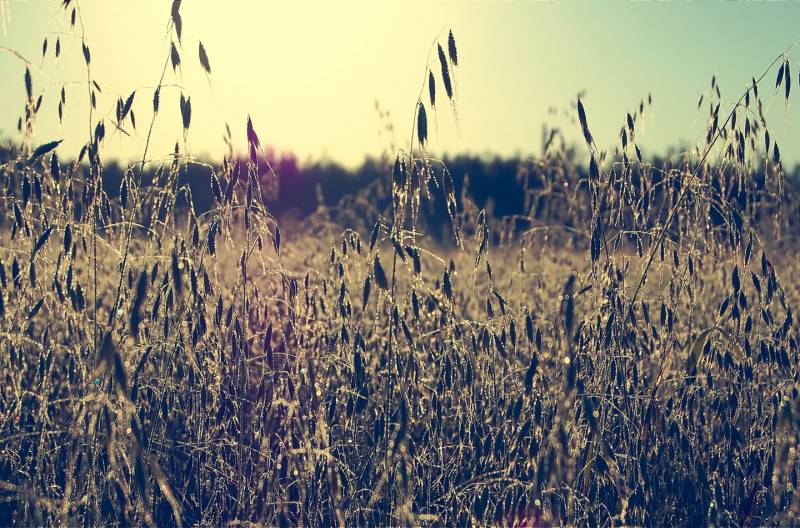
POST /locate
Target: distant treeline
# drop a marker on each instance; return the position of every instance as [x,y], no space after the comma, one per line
[506,186]
[490,178]
[496,179]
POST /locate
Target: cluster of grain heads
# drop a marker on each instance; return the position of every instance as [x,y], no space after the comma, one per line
[414,177]
[161,366]
[46,199]
[447,63]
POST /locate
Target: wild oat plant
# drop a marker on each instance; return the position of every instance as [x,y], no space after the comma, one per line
[624,354]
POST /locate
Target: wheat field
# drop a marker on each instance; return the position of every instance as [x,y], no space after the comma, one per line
[623,353]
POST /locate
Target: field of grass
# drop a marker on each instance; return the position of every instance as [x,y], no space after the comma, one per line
[624,354]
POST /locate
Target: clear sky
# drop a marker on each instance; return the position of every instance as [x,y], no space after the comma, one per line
[309,73]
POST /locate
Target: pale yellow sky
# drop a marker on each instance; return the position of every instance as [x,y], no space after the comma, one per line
[309,72]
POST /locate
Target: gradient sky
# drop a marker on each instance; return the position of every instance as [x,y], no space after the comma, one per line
[309,73]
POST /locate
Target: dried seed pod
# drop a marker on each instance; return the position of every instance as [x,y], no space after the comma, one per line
[186,112]
[216,190]
[156,99]
[448,86]
[366,291]
[432,89]
[584,124]
[451,48]
[422,125]
[530,373]
[174,56]
[447,286]
[138,300]
[276,240]
[28,84]
[380,275]
[204,59]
